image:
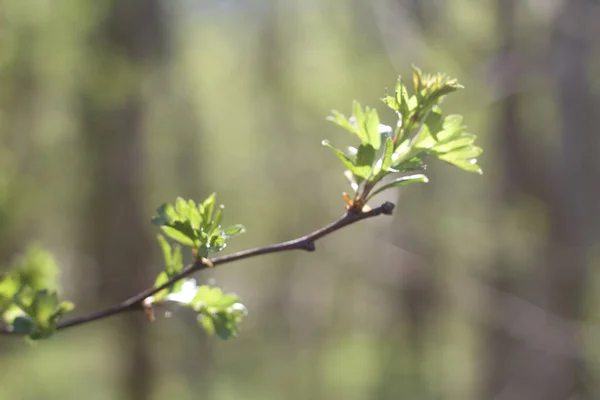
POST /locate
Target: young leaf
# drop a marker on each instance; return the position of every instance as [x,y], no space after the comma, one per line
[166,214]
[234,230]
[206,321]
[387,154]
[405,180]
[365,155]
[341,120]
[23,324]
[195,219]
[340,154]
[372,128]
[178,236]
[207,208]
[391,102]
[467,165]
[359,119]
[165,247]
[217,218]
[451,128]
[434,122]
[182,208]
[466,139]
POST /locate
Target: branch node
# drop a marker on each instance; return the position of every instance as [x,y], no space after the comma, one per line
[387,208]
[309,245]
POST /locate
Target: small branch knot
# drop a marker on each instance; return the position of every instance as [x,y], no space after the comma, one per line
[387,208]
[309,245]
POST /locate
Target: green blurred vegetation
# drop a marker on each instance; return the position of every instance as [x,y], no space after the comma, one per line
[109,108]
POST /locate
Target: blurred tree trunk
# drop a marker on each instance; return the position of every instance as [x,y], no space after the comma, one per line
[123,48]
[275,40]
[526,367]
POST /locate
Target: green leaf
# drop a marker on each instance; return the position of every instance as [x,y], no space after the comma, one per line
[207,296]
[423,139]
[166,248]
[434,122]
[178,236]
[365,155]
[23,324]
[411,165]
[216,243]
[467,165]
[195,219]
[225,327]
[359,118]
[207,208]
[341,120]
[176,261]
[417,81]
[466,152]
[217,219]
[402,97]
[387,154]
[465,140]
[451,128]
[391,102]
[234,230]
[340,154]
[405,180]
[44,305]
[65,307]
[207,323]
[166,214]
[227,301]
[372,128]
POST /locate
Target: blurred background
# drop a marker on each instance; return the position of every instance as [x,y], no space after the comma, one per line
[479,287]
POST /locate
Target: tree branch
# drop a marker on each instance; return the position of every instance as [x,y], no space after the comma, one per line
[136,303]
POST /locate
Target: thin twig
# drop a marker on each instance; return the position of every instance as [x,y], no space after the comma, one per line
[136,303]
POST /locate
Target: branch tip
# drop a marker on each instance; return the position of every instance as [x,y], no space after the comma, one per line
[387,208]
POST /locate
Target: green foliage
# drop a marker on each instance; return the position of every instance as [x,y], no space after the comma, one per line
[42,310]
[27,302]
[421,130]
[218,312]
[196,226]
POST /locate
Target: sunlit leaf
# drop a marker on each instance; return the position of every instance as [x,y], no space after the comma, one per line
[465,140]
[467,165]
[359,119]
[165,247]
[372,128]
[405,180]
[341,120]
[387,154]
[178,236]
[234,230]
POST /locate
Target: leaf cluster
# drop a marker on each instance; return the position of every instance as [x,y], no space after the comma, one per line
[421,130]
[28,301]
[197,226]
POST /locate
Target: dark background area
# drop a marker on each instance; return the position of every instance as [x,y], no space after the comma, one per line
[479,287]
